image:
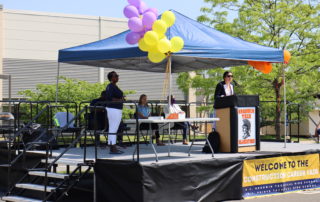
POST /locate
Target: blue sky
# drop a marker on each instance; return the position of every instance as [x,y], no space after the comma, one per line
[107,8]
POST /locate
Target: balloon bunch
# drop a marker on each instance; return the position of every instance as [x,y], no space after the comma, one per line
[141,19]
[264,67]
[150,33]
[155,41]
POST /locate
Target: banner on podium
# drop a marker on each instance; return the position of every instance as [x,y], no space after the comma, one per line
[246,126]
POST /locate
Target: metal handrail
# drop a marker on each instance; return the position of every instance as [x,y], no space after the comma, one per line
[48,166]
[17,135]
[71,144]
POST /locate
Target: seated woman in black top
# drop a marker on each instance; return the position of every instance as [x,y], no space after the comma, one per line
[97,116]
[225,87]
[114,110]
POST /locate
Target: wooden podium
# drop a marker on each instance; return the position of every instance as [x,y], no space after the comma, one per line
[239,123]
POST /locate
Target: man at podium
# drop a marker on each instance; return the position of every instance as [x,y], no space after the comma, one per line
[225,87]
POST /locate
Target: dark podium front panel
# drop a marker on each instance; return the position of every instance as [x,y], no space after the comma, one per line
[239,123]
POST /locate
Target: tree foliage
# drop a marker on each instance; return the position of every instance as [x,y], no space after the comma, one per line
[72,90]
[283,24]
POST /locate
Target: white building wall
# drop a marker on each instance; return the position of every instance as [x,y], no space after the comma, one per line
[30,50]
[36,35]
[1,49]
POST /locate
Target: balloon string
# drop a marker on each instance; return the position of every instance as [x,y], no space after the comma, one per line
[165,82]
[165,85]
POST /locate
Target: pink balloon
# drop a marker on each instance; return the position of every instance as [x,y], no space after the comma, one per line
[142,7]
[133,38]
[135,3]
[153,10]
[135,24]
[148,19]
[130,11]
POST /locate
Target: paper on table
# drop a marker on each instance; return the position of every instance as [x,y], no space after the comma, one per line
[155,117]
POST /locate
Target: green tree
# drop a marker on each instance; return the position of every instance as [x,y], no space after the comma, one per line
[204,82]
[68,90]
[283,24]
[72,90]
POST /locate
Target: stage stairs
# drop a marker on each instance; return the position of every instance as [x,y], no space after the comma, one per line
[48,185]
[43,182]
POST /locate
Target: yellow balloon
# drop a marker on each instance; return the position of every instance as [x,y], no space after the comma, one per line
[169,18]
[177,44]
[154,49]
[161,35]
[156,57]
[143,46]
[164,45]
[159,26]
[151,38]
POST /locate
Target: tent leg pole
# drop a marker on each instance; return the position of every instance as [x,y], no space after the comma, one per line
[57,83]
[285,108]
[9,91]
[170,79]
[169,100]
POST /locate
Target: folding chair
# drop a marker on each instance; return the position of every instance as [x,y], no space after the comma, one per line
[178,126]
[95,126]
[61,119]
[174,130]
[142,128]
[125,131]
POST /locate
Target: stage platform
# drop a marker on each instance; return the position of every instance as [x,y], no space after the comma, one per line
[200,177]
[179,152]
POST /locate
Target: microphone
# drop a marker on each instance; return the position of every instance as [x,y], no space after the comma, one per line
[236,83]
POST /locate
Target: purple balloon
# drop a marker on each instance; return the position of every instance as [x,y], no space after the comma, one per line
[142,7]
[153,10]
[133,38]
[135,24]
[130,11]
[148,19]
[142,33]
[135,3]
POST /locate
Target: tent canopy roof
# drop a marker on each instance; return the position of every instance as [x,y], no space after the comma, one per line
[204,48]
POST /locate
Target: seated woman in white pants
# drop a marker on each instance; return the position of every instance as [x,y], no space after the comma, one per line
[114,110]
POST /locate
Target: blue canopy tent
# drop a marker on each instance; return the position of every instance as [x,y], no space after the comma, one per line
[204,48]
